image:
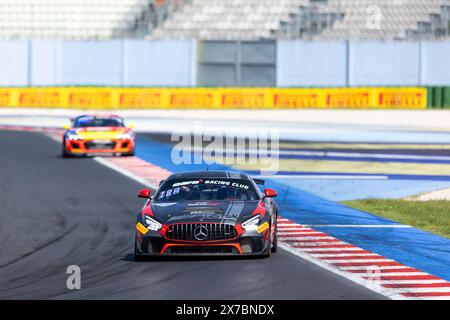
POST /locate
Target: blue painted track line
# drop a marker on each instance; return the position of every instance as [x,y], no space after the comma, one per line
[410,246]
[365,159]
[299,174]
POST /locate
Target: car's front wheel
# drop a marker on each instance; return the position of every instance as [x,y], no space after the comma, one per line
[137,256]
[64,152]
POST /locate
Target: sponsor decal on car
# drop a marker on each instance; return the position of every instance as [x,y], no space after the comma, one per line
[263,227]
[141,228]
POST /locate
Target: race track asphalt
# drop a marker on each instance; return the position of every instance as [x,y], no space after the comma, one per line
[57,212]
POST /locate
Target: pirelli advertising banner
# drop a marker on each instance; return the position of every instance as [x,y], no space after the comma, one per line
[214,98]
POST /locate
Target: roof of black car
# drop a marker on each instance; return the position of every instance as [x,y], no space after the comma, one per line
[208,174]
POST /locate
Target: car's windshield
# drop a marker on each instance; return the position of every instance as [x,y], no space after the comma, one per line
[98,122]
[207,189]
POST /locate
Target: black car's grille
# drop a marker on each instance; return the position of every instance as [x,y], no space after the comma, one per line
[202,250]
[201,232]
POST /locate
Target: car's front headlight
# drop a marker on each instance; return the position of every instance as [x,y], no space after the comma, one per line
[252,223]
[152,224]
[125,136]
[73,137]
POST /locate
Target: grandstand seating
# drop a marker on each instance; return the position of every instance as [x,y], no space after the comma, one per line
[76,19]
[225,19]
[310,19]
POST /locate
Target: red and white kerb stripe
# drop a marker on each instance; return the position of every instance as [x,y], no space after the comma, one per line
[150,173]
[406,281]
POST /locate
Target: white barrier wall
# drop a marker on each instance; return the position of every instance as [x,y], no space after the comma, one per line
[14,63]
[160,63]
[384,63]
[304,64]
[366,63]
[435,63]
[174,63]
[104,63]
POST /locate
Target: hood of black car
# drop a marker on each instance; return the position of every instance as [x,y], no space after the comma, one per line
[203,211]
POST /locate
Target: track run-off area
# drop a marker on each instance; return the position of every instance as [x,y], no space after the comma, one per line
[58,212]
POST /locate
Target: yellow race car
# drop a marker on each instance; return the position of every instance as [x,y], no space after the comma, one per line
[98,134]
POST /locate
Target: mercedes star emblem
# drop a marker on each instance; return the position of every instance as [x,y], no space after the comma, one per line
[200,233]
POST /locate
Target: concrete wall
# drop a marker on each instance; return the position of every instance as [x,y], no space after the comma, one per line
[302,63]
[384,64]
[104,63]
[174,63]
[366,63]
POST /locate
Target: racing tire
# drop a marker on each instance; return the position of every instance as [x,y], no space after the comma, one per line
[275,240]
[138,257]
[130,154]
[65,154]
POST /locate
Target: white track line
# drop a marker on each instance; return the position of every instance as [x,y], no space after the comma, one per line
[126,173]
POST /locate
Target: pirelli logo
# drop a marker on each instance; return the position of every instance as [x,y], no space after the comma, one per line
[191,100]
[401,100]
[140,100]
[5,99]
[90,99]
[243,100]
[296,100]
[349,100]
[40,99]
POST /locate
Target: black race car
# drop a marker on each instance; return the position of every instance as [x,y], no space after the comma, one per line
[207,213]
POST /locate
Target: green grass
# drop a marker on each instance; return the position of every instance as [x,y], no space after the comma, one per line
[432,216]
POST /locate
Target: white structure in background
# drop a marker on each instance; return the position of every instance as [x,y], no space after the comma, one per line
[308,19]
[73,19]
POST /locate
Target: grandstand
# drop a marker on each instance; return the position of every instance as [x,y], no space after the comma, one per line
[81,19]
[309,19]
[225,19]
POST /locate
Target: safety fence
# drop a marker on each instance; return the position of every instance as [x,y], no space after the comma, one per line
[214,98]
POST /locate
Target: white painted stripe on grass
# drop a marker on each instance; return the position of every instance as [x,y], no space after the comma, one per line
[388,293]
[126,173]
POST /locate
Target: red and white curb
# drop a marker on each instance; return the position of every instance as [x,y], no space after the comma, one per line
[372,270]
[380,274]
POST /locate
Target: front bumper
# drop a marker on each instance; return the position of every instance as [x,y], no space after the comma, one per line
[246,243]
[82,147]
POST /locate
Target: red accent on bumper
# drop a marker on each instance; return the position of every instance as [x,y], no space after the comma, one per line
[234,245]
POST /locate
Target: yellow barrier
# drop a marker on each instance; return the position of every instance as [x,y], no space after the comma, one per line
[214,98]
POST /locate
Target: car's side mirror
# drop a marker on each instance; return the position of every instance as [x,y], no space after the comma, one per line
[161,182]
[145,193]
[270,193]
[66,126]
